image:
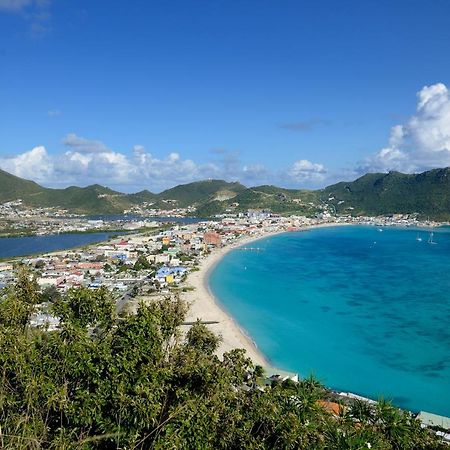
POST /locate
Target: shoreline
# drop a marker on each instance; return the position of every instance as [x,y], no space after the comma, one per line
[204,305]
[58,251]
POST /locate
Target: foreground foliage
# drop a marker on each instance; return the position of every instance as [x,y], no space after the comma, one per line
[107,382]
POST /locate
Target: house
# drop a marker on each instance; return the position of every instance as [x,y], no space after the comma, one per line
[332,407]
[6,267]
[44,320]
[170,274]
[212,238]
[272,374]
[47,281]
[162,259]
[436,421]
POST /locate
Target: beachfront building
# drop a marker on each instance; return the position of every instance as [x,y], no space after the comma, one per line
[273,375]
[437,422]
[212,238]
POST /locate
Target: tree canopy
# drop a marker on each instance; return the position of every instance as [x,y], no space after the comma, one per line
[141,382]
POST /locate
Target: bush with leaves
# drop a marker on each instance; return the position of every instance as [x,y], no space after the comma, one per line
[139,382]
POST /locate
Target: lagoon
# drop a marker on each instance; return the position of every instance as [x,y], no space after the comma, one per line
[365,310]
[30,245]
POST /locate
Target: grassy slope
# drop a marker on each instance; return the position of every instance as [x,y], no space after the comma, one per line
[12,187]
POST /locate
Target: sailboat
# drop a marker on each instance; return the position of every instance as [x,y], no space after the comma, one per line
[430,239]
[418,238]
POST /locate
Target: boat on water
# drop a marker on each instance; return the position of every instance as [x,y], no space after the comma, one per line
[418,238]
[430,239]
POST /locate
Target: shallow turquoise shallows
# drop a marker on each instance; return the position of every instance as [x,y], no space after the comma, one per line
[365,310]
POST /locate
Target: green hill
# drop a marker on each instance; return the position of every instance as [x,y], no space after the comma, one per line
[201,192]
[278,200]
[12,187]
[427,194]
[93,199]
[142,196]
[98,199]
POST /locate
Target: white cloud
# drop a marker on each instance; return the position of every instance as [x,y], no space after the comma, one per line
[88,161]
[83,145]
[34,164]
[423,142]
[306,171]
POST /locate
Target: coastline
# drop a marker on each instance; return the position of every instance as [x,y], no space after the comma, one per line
[27,255]
[205,306]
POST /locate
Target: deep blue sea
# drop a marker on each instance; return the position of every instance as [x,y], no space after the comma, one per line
[364,310]
[20,246]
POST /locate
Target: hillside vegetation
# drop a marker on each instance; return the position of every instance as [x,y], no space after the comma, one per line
[201,192]
[134,382]
[427,194]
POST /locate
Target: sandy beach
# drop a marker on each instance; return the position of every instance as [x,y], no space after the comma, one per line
[204,306]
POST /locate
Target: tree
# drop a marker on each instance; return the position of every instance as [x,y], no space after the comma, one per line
[142,263]
[19,303]
[202,339]
[84,307]
[51,294]
[140,382]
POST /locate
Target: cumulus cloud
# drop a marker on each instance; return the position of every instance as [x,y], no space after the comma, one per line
[423,142]
[306,171]
[86,161]
[170,170]
[34,164]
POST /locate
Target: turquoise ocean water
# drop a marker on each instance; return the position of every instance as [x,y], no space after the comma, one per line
[363,310]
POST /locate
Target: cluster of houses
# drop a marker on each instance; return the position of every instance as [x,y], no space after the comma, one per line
[119,263]
[142,262]
[16,209]
[148,209]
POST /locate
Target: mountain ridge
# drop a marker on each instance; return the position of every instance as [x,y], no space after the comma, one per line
[426,194]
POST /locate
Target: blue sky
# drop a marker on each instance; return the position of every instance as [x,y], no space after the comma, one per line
[149,94]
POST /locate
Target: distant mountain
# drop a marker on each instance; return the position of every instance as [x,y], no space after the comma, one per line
[12,187]
[272,198]
[93,199]
[200,192]
[98,199]
[142,196]
[427,194]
